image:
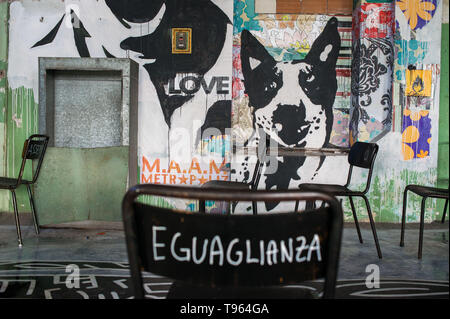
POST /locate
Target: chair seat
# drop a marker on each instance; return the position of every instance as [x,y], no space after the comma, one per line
[6,182]
[327,188]
[427,191]
[227,184]
[181,290]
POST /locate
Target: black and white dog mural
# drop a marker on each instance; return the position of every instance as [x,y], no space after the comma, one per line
[292,103]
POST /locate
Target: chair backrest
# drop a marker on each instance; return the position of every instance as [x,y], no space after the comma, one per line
[33,149]
[362,155]
[215,250]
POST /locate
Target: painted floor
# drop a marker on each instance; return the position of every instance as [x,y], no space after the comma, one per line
[37,270]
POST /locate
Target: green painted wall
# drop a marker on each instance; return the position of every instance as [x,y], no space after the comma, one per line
[82,184]
[443,158]
[22,121]
[4,196]
[18,119]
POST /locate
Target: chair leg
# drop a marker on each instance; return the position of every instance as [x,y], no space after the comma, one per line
[445,210]
[255,208]
[422,215]
[16,216]
[296,206]
[372,225]
[33,210]
[201,206]
[355,219]
[402,234]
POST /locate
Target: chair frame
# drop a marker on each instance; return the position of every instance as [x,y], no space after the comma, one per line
[28,154]
[422,212]
[350,194]
[254,182]
[335,228]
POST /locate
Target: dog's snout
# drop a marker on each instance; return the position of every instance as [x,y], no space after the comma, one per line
[290,122]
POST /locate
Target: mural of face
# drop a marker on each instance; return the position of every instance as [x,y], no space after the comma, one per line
[292,101]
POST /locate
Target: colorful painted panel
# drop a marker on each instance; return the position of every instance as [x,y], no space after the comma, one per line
[418,82]
[416,135]
[371,89]
[372,69]
[417,12]
[408,52]
[374,20]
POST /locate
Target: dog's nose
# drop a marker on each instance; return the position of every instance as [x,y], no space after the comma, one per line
[291,119]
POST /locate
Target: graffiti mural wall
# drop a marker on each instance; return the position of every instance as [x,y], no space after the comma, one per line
[181,96]
[307,80]
[395,97]
[291,83]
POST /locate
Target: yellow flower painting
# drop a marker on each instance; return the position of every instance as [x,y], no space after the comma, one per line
[417,12]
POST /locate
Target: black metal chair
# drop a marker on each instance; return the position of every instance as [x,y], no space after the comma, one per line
[424,192]
[33,149]
[217,256]
[360,155]
[240,186]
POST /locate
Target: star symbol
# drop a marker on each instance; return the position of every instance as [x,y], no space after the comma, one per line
[183,180]
[202,180]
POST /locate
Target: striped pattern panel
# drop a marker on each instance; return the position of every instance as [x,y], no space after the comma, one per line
[304,6]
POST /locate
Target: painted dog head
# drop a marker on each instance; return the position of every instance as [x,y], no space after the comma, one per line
[292,101]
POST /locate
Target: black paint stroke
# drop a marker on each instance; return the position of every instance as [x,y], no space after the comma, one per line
[107,54]
[218,117]
[136,11]
[208,23]
[80,34]
[51,35]
[319,84]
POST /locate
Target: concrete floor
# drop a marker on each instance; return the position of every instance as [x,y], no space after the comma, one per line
[99,242]
[102,243]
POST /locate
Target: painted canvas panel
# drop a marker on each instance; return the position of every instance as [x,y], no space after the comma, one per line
[418,82]
[371,89]
[374,20]
[416,135]
[417,12]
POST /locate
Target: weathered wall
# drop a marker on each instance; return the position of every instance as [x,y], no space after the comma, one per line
[3,97]
[404,126]
[443,164]
[181,96]
[443,161]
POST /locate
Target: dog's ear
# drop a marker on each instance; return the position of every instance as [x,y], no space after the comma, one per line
[258,67]
[319,80]
[253,51]
[325,49]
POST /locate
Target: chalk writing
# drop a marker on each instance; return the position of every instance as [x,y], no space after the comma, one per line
[216,251]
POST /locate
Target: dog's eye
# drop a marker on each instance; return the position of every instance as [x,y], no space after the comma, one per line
[310,77]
